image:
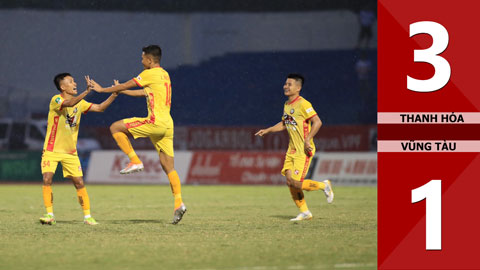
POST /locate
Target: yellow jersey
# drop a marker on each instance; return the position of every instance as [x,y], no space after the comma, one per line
[296,117]
[62,127]
[158,92]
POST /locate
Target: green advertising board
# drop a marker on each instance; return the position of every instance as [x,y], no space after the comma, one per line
[23,166]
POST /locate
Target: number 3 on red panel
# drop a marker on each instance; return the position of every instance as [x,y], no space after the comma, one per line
[431,55]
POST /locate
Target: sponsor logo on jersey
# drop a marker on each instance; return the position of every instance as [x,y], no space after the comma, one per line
[296,172]
[139,78]
[58,100]
[309,110]
[292,111]
[71,120]
[289,120]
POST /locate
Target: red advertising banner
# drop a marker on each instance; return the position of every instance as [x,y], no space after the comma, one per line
[232,167]
[105,166]
[428,135]
[248,167]
[236,168]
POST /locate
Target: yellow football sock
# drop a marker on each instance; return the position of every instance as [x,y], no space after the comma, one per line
[310,185]
[125,145]
[298,198]
[134,158]
[48,198]
[176,187]
[84,200]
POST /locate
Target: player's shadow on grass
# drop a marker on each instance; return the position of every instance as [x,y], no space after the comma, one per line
[133,221]
[69,221]
[282,217]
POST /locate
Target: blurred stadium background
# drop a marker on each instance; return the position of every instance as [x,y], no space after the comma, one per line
[228,61]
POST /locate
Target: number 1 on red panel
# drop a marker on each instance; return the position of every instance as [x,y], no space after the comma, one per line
[432,192]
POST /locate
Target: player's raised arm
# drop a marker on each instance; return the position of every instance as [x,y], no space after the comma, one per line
[280,126]
[74,100]
[132,93]
[104,105]
[114,88]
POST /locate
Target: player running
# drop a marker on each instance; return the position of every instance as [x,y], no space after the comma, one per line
[302,123]
[61,142]
[158,125]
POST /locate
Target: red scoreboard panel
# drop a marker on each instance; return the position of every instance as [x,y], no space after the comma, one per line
[428,134]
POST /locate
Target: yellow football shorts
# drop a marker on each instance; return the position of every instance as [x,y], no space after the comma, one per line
[298,164]
[70,163]
[161,137]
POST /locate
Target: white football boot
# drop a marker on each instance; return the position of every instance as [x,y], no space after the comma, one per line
[328,191]
[132,167]
[307,215]
[178,213]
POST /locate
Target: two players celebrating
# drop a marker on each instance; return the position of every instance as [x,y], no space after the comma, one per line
[64,120]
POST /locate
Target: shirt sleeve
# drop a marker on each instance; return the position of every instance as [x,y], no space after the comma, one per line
[307,110]
[56,103]
[143,79]
[85,106]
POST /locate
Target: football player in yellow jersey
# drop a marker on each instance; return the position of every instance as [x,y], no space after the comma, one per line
[158,125]
[302,123]
[61,142]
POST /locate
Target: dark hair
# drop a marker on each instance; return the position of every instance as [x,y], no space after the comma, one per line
[297,77]
[155,51]
[58,78]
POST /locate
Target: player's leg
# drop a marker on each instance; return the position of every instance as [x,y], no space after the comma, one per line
[83,200]
[49,165]
[311,185]
[48,218]
[167,163]
[326,186]
[164,147]
[298,197]
[295,190]
[73,170]
[120,133]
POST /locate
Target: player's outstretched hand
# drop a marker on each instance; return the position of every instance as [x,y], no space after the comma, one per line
[89,83]
[116,82]
[261,132]
[95,86]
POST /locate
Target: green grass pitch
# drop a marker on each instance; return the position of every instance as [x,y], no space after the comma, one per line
[225,227]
